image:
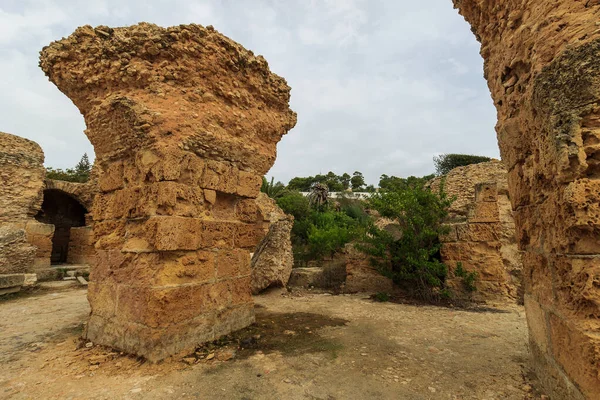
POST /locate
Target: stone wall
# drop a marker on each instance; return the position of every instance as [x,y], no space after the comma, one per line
[184,123]
[482,231]
[22,180]
[542,65]
[22,175]
[81,246]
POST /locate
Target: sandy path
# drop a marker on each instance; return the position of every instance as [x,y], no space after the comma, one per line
[311,347]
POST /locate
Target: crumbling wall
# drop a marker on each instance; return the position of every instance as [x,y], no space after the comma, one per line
[184,123]
[273,259]
[21,184]
[482,231]
[542,65]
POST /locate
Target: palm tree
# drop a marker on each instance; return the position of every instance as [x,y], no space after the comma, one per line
[318,195]
[272,189]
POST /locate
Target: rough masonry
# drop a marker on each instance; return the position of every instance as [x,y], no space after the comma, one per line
[542,65]
[482,231]
[21,191]
[184,123]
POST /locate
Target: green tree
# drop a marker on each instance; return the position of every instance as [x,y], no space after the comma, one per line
[413,259]
[80,174]
[301,184]
[393,183]
[345,179]
[447,162]
[357,181]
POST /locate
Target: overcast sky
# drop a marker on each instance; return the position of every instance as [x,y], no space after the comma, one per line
[380,86]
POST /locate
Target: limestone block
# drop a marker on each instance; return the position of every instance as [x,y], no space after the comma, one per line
[486,192]
[16,254]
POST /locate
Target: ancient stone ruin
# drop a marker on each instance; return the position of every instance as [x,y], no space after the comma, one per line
[42,222]
[482,231]
[184,123]
[542,64]
[22,176]
[273,259]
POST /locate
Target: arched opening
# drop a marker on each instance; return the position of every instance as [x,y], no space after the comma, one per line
[64,212]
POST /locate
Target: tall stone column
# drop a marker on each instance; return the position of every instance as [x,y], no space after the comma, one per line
[184,123]
[542,64]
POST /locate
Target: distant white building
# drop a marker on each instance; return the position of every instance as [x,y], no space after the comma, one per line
[348,195]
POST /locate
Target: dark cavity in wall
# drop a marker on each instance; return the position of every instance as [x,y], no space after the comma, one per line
[64,212]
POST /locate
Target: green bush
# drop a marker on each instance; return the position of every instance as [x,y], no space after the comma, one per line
[320,231]
[468,278]
[413,260]
[296,204]
[447,162]
[381,297]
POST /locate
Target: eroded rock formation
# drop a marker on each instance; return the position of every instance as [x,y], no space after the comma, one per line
[21,185]
[482,230]
[542,64]
[273,259]
[184,123]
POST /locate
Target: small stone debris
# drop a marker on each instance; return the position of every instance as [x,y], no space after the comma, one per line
[82,280]
[189,360]
[89,345]
[225,355]
[210,356]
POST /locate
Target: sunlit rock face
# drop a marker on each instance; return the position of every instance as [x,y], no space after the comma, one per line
[542,64]
[184,123]
[21,191]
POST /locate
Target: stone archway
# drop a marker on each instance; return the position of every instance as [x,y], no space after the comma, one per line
[64,212]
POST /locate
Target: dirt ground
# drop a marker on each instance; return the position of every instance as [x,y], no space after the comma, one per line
[303,346]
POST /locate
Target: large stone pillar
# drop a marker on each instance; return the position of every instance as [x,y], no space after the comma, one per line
[184,123]
[542,64]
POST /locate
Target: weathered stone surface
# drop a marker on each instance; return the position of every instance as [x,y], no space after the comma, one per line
[40,236]
[22,176]
[482,231]
[81,246]
[307,277]
[542,65]
[273,259]
[22,180]
[184,123]
[361,276]
[11,280]
[16,254]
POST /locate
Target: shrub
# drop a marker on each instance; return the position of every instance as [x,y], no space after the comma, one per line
[381,297]
[468,278]
[296,204]
[272,189]
[447,162]
[413,260]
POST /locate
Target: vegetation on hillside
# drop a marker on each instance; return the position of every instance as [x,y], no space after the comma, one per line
[321,227]
[80,173]
[447,162]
